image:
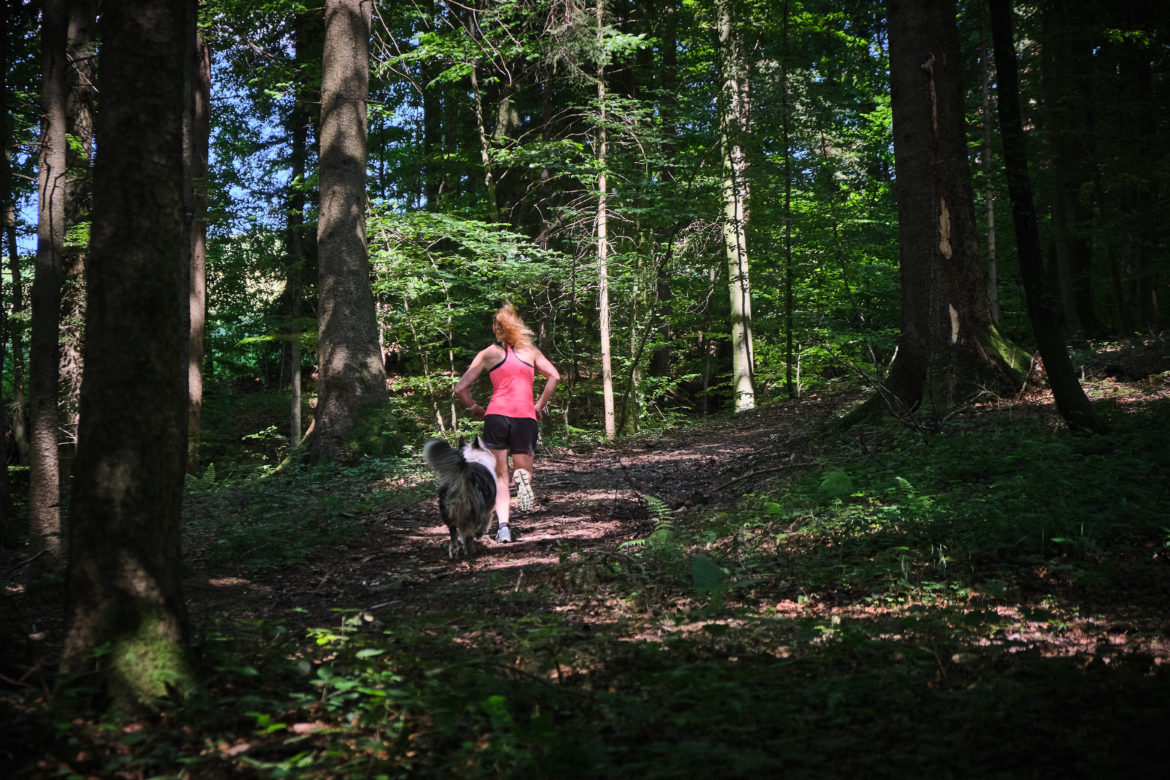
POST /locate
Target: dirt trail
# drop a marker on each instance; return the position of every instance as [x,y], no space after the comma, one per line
[587,499]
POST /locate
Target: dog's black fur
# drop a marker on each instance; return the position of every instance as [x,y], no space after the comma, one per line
[467,489]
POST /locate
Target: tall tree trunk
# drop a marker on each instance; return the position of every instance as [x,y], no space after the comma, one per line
[1066,390]
[485,152]
[1070,109]
[295,266]
[18,407]
[352,378]
[987,120]
[44,352]
[949,347]
[789,271]
[8,215]
[6,507]
[81,54]
[664,291]
[603,242]
[733,122]
[199,147]
[124,577]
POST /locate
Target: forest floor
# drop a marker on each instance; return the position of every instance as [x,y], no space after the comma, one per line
[746,596]
[592,500]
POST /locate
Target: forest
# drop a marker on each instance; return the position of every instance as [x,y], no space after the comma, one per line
[859,459]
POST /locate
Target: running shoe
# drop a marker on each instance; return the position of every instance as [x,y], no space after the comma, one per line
[524,496]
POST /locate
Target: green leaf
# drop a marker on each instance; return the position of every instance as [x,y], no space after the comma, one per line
[707,575]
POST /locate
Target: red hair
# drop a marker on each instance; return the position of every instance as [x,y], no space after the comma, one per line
[510,329]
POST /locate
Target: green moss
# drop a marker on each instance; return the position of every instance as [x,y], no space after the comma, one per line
[1014,360]
[148,665]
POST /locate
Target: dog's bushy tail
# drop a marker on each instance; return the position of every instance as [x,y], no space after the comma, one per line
[469,487]
[467,492]
[446,461]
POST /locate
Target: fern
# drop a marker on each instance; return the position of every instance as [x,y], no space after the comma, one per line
[663,540]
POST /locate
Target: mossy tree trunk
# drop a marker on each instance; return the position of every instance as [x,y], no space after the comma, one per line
[125,609]
[351,389]
[949,346]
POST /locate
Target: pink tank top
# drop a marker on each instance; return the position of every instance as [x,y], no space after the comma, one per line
[512,387]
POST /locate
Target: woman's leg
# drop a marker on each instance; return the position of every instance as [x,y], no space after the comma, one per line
[522,462]
[503,494]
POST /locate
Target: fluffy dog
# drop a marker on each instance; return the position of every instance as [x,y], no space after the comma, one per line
[467,489]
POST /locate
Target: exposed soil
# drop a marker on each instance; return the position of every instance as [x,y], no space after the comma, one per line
[588,499]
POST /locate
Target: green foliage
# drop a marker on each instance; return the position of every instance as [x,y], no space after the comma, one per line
[280,518]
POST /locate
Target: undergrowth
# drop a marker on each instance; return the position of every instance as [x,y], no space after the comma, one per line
[988,600]
[268,520]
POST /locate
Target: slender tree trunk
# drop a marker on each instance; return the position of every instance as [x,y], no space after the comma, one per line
[987,120]
[1070,397]
[1070,111]
[19,404]
[298,262]
[352,378]
[789,271]
[603,244]
[6,508]
[44,351]
[485,152]
[199,148]
[660,357]
[81,55]
[732,128]
[124,593]
[8,213]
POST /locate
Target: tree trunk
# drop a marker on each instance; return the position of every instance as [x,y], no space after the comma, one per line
[299,262]
[124,576]
[44,349]
[1066,390]
[198,148]
[949,347]
[352,379]
[8,214]
[485,156]
[1070,111]
[987,120]
[789,271]
[664,292]
[603,245]
[82,49]
[733,123]
[19,404]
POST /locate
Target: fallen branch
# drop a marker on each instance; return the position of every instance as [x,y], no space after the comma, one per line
[22,564]
[757,472]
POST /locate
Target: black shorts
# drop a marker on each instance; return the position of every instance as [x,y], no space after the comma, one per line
[517,435]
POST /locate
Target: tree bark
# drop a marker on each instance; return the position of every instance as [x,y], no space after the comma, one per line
[123,581]
[733,123]
[603,244]
[1066,50]
[44,350]
[199,147]
[1070,398]
[351,376]
[81,55]
[987,75]
[790,385]
[8,214]
[949,347]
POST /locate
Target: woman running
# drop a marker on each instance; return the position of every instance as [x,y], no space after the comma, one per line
[510,420]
